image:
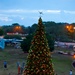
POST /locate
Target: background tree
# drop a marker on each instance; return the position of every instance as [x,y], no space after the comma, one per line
[51,41]
[12,37]
[39,58]
[58,30]
[25,44]
[1,31]
[7,29]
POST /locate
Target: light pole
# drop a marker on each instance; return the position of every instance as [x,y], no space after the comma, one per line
[17,29]
[71,29]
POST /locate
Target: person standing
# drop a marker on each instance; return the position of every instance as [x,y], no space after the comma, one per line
[18,63]
[70,72]
[19,69]
[22,66]
[5,64]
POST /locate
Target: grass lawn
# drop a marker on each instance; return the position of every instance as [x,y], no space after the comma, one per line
[61,63]
[12,56]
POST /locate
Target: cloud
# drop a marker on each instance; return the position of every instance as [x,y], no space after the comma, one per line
[22,18]
[6,19]
[28,11]
[23,11]
[6,15]
[53,11]
[69,12]
[11,14]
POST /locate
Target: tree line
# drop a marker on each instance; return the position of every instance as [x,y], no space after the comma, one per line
[57,30]
[54,32]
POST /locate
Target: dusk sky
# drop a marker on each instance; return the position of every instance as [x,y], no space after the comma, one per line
[26,12]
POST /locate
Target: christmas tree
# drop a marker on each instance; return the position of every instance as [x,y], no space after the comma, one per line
[39,58]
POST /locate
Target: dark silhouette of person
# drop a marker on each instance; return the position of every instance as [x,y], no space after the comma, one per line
[5,64]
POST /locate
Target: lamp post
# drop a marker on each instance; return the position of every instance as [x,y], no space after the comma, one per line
[17,29]
[71,29]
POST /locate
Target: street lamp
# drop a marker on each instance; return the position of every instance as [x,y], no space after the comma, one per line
[17,29]
[67,27]
[74,28]
[70,28]
[74,56]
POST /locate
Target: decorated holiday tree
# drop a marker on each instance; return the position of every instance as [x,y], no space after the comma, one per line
[39,58]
